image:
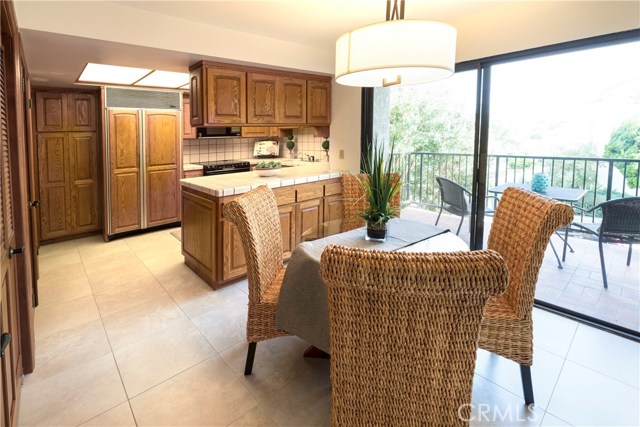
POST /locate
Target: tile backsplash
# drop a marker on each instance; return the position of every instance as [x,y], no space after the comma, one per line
[210,150]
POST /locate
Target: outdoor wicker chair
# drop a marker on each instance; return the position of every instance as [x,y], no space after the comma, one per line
[453,199]
[354,201]
[403,333]
[255,214]
[521,229]
[620,224]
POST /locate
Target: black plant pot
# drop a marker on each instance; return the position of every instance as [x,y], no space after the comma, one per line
[376,232]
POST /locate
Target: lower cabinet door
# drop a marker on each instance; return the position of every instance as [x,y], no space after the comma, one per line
[309,220]
[288,226]
[234,263]
[333,214]
[162,196]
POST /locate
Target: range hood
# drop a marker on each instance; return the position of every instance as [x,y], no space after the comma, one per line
[218,132]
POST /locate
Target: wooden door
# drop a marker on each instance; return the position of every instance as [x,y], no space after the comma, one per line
[309,220]
[226,96]
[81,112]
[83,181]
[55,217]
[292,100]
[234,264]
[51,111]
[288,227]
[333,214]
[11,359]
[162,172]
[319,102]
[196,101]
[124,170]
[261,98]
[188,132]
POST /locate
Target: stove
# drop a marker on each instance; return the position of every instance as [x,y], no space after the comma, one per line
[224,166]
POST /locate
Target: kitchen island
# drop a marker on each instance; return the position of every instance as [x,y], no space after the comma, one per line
[307,196]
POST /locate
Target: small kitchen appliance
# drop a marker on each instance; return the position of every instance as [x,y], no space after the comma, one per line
[263,149]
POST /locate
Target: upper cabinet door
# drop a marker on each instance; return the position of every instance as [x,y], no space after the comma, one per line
[319,102]
[51,111]
[226,96]
[261,98]
[196,113]
[81,109]
[188,132]
[292,100]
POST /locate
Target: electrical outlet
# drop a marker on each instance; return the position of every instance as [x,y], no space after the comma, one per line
[341,154]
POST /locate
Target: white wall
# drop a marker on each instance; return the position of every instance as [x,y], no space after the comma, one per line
[345,127]
[508,27]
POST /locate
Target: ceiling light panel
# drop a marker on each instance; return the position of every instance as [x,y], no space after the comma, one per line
[167,79]
[112,74]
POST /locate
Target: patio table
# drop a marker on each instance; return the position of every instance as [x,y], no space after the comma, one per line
[302,305]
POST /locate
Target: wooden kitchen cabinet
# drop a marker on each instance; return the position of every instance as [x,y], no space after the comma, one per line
[67,163]
[226,96]
[259,132]
[262,104]
[291,100]
[212,246]
[193,173]
[188,132]
[319,102]
[60,111]
[81,111]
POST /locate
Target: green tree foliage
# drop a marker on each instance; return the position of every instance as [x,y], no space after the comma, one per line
[625,144]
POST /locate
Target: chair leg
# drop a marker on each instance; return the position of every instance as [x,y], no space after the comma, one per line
[251,352]
[602,266]
[527,385]
[439,213]
[460,225]
[629,255]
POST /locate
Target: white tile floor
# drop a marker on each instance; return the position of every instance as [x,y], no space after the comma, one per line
[127,335]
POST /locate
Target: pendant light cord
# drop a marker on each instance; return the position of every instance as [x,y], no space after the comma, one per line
[394,13]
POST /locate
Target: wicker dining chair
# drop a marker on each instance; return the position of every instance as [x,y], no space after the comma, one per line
[255,214]
[354,201]
[520,232]
[404,332]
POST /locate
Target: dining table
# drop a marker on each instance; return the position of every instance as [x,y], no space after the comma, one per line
[303,308]
[561,194]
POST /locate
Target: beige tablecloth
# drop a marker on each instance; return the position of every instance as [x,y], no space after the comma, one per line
[302,306]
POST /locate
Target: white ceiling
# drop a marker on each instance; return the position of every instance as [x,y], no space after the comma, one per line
[60,37]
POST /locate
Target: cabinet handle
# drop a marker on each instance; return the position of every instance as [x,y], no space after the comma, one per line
[5,339]
[34,203]
[15,251]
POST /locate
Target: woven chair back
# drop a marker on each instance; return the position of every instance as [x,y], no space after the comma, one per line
[520,232]
[354,201]
[404,333]
[621,217]
[255,214]
[453,195]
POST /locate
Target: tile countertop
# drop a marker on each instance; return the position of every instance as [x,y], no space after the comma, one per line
[191,167]
[238,183]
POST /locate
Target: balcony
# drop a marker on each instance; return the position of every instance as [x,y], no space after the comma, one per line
[577,286]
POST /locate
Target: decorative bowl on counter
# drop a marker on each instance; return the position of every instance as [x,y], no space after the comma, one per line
[268,168]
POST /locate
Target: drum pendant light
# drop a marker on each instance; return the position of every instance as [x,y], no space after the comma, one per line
[396,52]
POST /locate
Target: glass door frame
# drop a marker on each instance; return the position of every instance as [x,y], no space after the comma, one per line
[481,143]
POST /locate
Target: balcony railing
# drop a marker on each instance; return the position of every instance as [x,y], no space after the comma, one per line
[603,178]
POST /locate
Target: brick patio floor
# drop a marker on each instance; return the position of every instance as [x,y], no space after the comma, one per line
[578,285]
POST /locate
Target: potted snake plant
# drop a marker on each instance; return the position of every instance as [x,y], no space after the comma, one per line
[379,189]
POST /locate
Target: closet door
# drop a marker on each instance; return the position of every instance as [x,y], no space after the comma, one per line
[83,181]
[53,164]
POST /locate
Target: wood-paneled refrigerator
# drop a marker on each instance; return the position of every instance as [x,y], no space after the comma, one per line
[142,160]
